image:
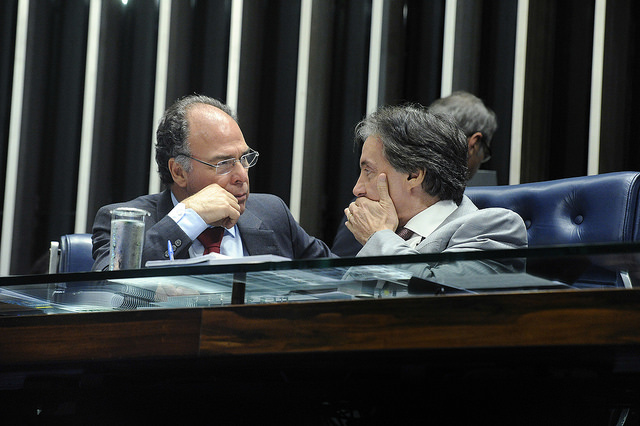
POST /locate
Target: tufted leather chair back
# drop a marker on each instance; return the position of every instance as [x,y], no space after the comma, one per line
[588,209]
[580,210]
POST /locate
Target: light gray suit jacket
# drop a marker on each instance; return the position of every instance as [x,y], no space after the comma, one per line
[466,229]
[266,227]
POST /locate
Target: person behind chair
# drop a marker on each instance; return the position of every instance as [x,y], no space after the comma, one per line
[410,192]
[203,160]
[477,121]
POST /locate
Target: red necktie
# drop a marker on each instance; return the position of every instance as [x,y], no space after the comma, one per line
[211,239]
[404,233]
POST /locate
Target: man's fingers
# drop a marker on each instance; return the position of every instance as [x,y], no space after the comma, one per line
[383,188]
[215,205]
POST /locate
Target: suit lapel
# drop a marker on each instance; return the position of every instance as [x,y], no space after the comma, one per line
[439,238]
[254,239]
[465,207]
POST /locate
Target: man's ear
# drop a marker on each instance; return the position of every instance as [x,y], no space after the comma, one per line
[474,143]
[415,178]
[178,173]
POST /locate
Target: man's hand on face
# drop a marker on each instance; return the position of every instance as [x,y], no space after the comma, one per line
[365,216]
[215,205]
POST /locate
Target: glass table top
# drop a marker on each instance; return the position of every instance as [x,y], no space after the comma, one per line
[270,280]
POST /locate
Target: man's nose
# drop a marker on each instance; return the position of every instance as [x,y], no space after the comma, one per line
[358,189]
[239,173]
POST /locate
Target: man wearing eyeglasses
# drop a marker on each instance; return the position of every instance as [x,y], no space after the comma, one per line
[477,121]
[203,160]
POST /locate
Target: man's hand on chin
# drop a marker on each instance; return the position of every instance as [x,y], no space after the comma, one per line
[366,217]
[215,205]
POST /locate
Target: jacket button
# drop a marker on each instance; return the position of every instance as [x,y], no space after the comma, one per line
[178,243]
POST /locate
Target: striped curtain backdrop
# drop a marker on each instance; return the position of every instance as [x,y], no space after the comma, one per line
[84,82]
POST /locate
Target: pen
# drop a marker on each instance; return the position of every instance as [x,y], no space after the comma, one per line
[170,249]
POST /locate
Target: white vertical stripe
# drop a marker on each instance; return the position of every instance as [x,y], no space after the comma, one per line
[595,116]
[160,96]
[375,49]
[15,124]
[517,118]
[302,83]
[448,47]
[235,43]
[88,116]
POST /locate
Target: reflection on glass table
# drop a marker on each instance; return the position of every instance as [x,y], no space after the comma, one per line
[468,273]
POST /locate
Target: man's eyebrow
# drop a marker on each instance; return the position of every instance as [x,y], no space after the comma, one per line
[366,163]
[219,158]
[227,157]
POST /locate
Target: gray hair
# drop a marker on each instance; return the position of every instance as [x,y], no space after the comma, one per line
[173,133]
[415,139]
[470,112]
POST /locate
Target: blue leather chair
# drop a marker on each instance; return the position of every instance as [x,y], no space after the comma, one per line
[588,209]
[72,254]
[580,210]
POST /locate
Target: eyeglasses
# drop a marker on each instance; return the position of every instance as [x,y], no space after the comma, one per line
[486,150]
[225,166]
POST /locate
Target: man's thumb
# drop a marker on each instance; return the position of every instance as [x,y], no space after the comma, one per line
[383,188]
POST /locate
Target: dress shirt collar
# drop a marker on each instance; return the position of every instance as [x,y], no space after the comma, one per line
[428,220]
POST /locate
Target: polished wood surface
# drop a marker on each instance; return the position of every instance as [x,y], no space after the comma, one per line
[546,319]
[99,336]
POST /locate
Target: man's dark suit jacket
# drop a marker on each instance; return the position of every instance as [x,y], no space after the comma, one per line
[266,227]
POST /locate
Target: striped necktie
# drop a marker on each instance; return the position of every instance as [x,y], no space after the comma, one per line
[404,233]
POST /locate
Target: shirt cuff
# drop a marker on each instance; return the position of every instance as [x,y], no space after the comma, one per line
[188,220]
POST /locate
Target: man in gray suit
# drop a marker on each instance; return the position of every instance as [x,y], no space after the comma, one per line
[203,160]
[477,121]
[411,189]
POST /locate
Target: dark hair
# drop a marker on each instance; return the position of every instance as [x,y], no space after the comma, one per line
[173,133]
[471,114]
[415,139]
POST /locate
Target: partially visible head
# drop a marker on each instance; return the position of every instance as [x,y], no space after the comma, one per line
[477,121]
[196,130]
[415,143]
